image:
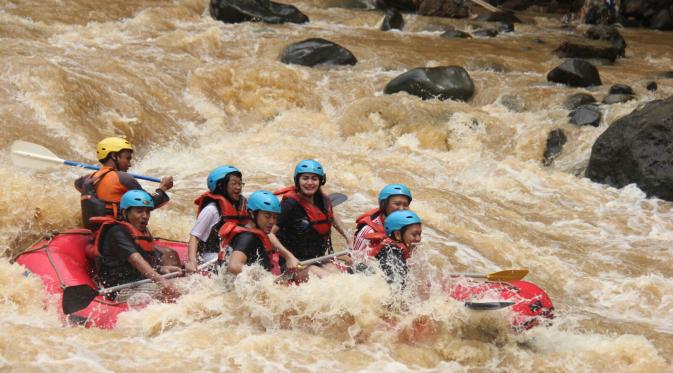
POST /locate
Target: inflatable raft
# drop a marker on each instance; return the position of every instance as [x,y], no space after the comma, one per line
[64,259]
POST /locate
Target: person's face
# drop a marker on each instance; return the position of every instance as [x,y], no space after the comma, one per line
[138,217]
[266,220]
[124,159]
[234,187]
[309,184]
[396,203]
[411,236]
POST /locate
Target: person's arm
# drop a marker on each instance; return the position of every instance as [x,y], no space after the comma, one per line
[236,262]
[290,260]
[191,263]
[207,218]
[168,290]
[159,197]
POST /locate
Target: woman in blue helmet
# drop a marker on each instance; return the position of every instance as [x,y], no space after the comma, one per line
[392,197]
[304,225]
[402,234]
[250,244]
[125,250]
[223,202]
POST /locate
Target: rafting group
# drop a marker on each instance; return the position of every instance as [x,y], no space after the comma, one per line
[234,231]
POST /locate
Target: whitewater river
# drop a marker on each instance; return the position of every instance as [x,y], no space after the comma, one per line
[192,93]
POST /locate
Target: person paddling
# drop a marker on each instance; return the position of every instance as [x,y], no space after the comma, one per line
[102,190]
[125,250]
[304,225]
[222,203]
[402,233]
[251,244]
[392,197]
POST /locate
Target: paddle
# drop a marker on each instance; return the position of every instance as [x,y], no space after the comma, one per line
[79,297]
[27,154]
[487,306]
[289,274]
[504,275]
[486,5]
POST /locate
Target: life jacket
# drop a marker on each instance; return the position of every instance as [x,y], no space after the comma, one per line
[92,205]
[230,230]
[227,211]
[384,241]
[320,221]
[143,240]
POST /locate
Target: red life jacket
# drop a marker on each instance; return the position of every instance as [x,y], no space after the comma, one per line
[319,220]
[384,241]
[230,230]
[227,210]
[143,240]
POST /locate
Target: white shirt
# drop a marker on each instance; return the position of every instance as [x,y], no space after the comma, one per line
[361,244]
[205,222]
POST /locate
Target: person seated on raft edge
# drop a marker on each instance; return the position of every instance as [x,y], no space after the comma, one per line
[221,204]
[392,197]
[251,244]
[304,225]
[102,190]
[125,250]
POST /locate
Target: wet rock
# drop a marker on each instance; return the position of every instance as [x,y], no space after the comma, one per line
[401,5]
[485,33]
[513,103]
[663,20]
[575,73]
[587,50]
[236,11]
[555,141]
[450,34]
[443,8]
[444,82]
[617,99]
[637,148]
[651,86]
[577,100]
[586,115]
[392,20]
[609,34]
[505,17]
[666,75]
[505,27]
[316,51]
[620,89]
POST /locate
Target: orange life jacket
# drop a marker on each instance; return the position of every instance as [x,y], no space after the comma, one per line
[367,219]
[319,220]
[96,201]
[143,240]
[227,210]
[230,230]
[384,241]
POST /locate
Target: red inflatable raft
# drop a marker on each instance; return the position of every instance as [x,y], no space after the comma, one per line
[61,260]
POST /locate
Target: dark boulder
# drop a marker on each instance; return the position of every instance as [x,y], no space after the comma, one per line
[401,5]
[443,8]
[666,75]
[587,50]
[392,20]
[235,11]
[609,34]
[620,89]
[444,82]
[577,100]
[555,141]
[485,33]
[637,148]
[575,73]
[505,17]
[617,99]
[316,51]
[663,20]
[651,86]
[449,34]
[586,115]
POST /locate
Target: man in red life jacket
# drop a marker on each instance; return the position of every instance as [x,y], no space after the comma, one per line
[304,225]
[102,190]
[126,251]
[222,203]
[392,197]
[250,244]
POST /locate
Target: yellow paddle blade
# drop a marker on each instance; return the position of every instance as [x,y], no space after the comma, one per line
[507,275]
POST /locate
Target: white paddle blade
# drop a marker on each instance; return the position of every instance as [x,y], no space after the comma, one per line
[27,154]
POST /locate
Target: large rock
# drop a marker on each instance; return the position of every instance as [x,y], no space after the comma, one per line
[610,34]
[578,99]
[235,11]
[586,115]
[443,8]
[316,51]
[617,98]
[587,50]
[637,148]
[401,5]
[622,89]
[392,20]
[505,17]
[663,20]
[444,82]
[555,141]
[575,73]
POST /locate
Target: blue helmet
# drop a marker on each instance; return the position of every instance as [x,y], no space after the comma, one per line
[136,198]
[394,190]
[400,219]
[220,173]
[309,166]
[263,200]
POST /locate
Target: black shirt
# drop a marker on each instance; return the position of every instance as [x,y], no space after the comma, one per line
[296,233]
[394,266]
[250,245]
[113,263]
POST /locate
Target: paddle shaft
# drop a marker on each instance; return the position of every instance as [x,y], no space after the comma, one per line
[486,5]
[321,258]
